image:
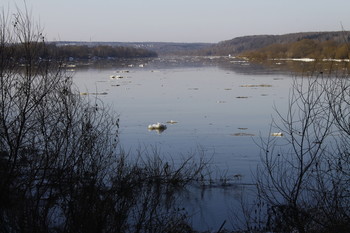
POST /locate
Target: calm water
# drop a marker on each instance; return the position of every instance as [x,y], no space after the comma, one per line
[222,111]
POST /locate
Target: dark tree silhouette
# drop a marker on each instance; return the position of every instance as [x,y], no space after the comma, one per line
[60,170]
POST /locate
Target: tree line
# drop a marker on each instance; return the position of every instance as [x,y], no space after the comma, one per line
[16,51]
[102,51]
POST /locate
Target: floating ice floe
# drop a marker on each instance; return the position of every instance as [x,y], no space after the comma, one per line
[336,60]
[256,85]
[243,134]
[116,77]
[277,134]
[305,59]
[93,93]
[242,97]
[122,71]
[157,126]
[171,122]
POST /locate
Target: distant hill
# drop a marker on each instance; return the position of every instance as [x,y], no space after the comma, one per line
[234,46]
[246,43]
[161,48]
[305,48]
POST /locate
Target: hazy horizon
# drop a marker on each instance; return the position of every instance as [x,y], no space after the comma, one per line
[194,42]
[189,21]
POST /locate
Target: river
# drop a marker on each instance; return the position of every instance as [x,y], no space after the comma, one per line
[221,110]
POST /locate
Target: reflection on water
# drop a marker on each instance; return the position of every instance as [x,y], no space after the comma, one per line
[222,106]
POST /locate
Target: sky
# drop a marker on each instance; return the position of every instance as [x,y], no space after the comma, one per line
[181,20]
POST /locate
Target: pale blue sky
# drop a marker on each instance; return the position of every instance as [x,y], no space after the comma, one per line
[183,20]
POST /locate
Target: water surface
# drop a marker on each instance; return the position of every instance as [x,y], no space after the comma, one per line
[222,111]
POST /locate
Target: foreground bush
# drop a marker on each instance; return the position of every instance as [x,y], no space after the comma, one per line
[60,168]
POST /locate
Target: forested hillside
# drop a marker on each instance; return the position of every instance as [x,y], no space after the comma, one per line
[305,48]
[248,43]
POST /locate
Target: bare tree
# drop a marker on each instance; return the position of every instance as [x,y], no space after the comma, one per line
[60,168]
[303,183]
[52,139]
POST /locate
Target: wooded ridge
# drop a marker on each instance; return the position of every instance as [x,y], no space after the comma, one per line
[306,48]
[243,44]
